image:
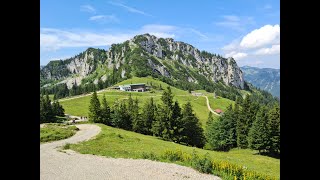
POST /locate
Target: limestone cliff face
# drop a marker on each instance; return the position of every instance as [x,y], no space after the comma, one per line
[212,67]
[149,53]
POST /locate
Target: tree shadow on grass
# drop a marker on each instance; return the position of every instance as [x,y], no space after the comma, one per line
[273,155]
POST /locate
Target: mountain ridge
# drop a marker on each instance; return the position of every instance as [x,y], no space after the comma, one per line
[140,56]
[264,78]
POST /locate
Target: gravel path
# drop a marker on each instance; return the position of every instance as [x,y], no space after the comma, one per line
[208,105]
[71,165]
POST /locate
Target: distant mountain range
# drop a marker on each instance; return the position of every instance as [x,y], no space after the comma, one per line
[264,78]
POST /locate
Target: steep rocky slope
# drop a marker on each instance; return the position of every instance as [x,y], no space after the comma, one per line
[141,56]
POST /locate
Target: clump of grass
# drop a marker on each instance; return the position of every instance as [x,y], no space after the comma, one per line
[66,146]
[150,156]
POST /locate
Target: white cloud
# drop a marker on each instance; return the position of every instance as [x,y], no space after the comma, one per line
[262,43]
[104,18]
[236,55]
[53,39]
[128,8]
[235,22]
[275,49]
[266,35]
[88,8]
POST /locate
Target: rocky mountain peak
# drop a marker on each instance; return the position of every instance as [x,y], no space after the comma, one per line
[142,55]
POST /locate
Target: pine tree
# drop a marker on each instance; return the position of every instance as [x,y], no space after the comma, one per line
[221,133]
[105,112]
[192,131]
[148,116]
[244,122]
[137,122]
[47,113]
[57,109]
[94,108]
[273,126]
[120,117]
[158,125]
[258,134]
[162,124]
[176,123]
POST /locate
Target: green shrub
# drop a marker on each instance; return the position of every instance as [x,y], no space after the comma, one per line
[202,164]
[150,156]
[66,146]
[172,155]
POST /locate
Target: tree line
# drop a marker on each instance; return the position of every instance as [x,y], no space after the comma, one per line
[49,111]
[166,120]
[246,125]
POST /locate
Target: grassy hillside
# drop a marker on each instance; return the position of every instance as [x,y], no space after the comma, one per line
[113,142]
[79,106]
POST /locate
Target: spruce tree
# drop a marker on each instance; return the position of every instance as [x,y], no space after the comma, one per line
[176,123]
[158,125]
[57,109]
[244,122]
[94,108]
[148,116]
[192,132]
[273,126]
[162,124]
[137,122]
[120,117]
[258,134]
[221,133]
[105,112]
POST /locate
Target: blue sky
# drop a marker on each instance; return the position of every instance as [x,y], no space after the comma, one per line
[247,30]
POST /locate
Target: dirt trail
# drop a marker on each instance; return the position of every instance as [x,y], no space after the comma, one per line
[71,165]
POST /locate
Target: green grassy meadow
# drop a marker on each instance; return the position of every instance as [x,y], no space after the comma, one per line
[118,143]
[113,142]
[55,132]
[79,106]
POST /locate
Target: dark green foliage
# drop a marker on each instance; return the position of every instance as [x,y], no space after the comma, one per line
[245,120]
[192,132]
[202,164]
[148,116]
[273,126]
[105,112]
[94,109]
[221,134]
[49,111]
[46,112]
[140,38]
[57,109]
[120,117]
[258,135]
[138,124]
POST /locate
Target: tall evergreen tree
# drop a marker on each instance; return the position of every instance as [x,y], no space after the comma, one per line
[192,131]
[57,109]
[158,125]
[137,122]
[148,116]
[121,118]
[258,134]
[176,123]
[94,108]
[162,124]
[244,122]
[273,126]
[221,133]
[105,112]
